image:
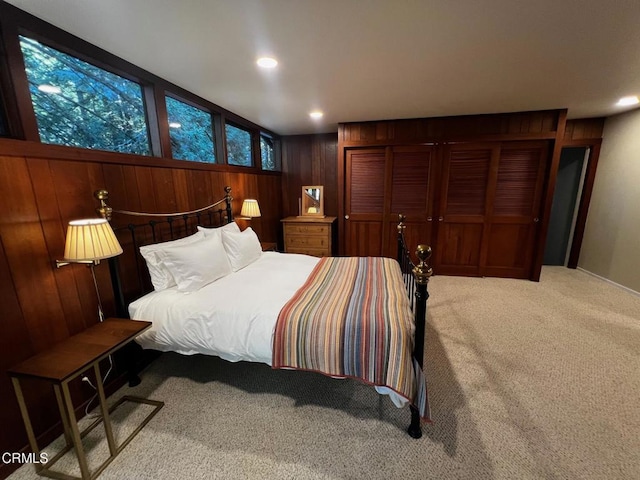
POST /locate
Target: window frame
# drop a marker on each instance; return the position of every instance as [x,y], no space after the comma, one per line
[252,154]
[20,116]
[214,120]
[101,66]
[276,152]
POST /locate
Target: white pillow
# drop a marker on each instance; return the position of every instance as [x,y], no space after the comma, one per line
[196,264]
[161,278]
[229,227]
[242,248]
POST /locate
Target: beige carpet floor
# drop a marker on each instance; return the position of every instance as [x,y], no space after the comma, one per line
[526,380]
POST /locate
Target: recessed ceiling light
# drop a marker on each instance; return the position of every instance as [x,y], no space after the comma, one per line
[267,62]
[174,125]
[49,88]
[316,114]
[625,101]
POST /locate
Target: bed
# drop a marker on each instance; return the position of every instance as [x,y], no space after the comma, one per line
[214,292]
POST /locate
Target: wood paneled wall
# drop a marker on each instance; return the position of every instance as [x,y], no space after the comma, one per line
[583,129]
[551,126]
[548,125]
[313,159]
[507,126]
[42,187]
[309,160]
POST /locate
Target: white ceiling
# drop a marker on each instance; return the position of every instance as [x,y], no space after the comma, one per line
[363,60]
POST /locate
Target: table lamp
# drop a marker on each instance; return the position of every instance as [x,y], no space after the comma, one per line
[89,241]
[250,209]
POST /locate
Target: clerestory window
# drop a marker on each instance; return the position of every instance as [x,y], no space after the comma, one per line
[78,104]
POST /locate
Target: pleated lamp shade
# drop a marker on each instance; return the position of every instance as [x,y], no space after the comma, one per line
[90,239]
[250,208]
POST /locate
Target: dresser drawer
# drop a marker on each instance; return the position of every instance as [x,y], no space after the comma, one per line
[307,229]
[316,252]
[308,236]
[306,242]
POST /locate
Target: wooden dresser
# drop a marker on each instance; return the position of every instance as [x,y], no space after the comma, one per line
[309,235]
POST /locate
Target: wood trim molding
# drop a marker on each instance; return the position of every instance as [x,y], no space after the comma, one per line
[21,148]
[160,137]
[22,119]
[341,190]
[548,197]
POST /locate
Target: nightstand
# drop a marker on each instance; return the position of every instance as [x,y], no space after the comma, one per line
[62,363]
[309,235]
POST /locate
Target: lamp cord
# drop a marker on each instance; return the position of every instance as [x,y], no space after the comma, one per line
[95,395]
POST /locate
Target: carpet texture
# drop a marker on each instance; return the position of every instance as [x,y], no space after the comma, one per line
[526,381]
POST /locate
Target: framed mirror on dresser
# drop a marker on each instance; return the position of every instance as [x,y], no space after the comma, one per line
[312,201]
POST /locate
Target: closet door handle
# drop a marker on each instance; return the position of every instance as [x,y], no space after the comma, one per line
[440,219]
[536,220]
[429,219]
[346,217]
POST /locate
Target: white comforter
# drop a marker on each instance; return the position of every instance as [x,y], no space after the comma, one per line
[232,318]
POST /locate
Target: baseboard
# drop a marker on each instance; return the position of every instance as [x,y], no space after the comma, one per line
[610,282]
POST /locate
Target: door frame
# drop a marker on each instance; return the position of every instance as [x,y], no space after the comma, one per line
[593,145]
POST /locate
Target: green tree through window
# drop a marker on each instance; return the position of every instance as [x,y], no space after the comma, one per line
[78,104]
[238,146]
[267,153]
[191,132]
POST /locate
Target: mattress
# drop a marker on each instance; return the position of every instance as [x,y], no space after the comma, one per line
[232,318]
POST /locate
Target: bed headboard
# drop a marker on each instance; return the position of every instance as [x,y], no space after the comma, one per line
[129,275]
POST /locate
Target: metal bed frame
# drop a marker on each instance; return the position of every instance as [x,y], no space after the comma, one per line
[177,225]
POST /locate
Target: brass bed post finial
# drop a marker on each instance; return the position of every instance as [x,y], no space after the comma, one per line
[401,225]
[104,210]
[423,271]
[228,199]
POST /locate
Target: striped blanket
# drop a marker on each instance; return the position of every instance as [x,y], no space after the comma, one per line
[352,319]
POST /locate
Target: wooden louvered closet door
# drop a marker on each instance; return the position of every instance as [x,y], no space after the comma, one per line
[485,219]
[464,204]
[380,184]
[513,222]
[364,201]
[412,174]
[489,208]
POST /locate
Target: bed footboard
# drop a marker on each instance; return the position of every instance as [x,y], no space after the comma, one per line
[416,278]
